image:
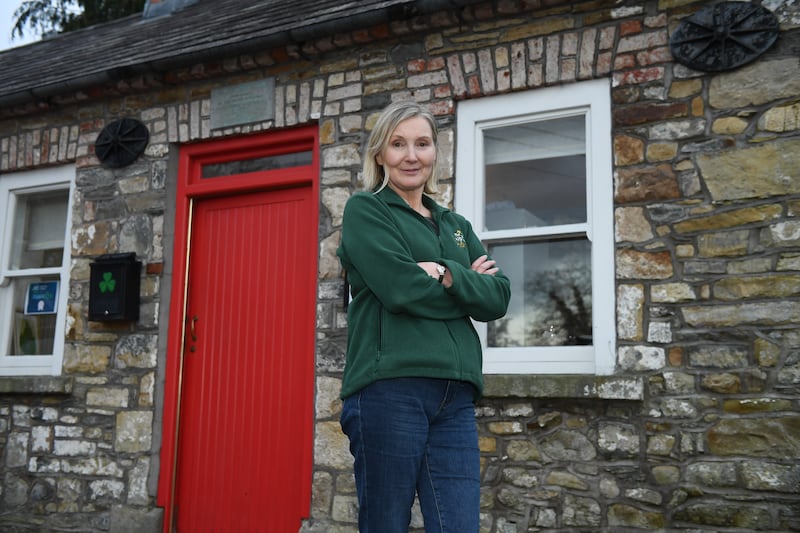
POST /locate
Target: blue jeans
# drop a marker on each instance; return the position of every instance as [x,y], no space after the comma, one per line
[415,435]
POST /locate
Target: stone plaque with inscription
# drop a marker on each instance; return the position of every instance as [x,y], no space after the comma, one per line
[243,104]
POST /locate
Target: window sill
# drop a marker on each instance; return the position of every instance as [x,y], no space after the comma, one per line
[36,385]
[563,386]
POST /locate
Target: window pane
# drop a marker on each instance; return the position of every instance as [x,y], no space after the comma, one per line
[39,226]
[535,174]
[551,294]
[272,162]
[32,334]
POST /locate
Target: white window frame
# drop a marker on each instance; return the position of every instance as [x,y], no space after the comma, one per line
[11,187]
[591,99]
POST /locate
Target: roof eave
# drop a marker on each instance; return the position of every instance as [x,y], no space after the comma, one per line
[298,35]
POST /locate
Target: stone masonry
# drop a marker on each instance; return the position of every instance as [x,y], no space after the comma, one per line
[699,428]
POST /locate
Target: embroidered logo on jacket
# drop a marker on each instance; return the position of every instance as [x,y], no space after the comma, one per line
[459,238]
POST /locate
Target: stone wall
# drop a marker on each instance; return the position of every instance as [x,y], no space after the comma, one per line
[706,196]
[705,433]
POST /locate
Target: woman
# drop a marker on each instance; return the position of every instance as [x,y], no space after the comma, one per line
[417,274]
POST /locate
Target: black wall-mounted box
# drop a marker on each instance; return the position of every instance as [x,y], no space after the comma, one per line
[114,287]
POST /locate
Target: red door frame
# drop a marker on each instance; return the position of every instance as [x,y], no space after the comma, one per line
[190,186]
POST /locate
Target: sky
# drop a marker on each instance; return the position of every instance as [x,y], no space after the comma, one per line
[7,8]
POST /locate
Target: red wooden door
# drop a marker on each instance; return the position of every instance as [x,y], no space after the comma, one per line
[247,395]
[239,390]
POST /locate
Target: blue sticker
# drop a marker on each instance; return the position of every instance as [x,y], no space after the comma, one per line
[41,298]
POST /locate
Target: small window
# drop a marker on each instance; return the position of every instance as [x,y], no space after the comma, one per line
[243,166]
[34,270]
[534,177]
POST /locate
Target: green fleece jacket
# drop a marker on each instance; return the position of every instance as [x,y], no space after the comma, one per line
[402,322]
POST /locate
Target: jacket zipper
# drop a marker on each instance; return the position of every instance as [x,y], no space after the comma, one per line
[458,348]
[380,330]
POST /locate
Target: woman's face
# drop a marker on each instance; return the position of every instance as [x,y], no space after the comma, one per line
[409,156]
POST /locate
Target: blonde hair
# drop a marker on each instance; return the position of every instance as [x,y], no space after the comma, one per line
[374,177]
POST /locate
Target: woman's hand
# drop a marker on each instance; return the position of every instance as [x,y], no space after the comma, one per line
[484,265]
[430,268]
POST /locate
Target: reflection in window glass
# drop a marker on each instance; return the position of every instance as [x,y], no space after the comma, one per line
[551,288]
[39,228]
[535,174]
[273,162]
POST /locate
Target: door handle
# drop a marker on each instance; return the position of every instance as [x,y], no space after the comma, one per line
[193,332]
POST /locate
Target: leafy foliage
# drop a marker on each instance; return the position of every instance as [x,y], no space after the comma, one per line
[45,17]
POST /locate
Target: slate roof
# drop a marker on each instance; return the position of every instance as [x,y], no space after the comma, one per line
[209,28]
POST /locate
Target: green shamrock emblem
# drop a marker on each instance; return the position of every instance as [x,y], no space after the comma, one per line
[108,283]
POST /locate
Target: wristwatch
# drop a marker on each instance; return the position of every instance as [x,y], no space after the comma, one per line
[441,269]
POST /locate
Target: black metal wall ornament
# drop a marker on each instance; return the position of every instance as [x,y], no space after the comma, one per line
[724,36]
[121,142]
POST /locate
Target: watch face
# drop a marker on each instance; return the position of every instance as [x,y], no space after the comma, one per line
[441,269]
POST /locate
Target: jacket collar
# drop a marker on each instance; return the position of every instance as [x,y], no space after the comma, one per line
[388,195]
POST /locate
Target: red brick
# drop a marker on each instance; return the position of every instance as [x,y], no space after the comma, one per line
[380,31]
[442,107]
[654,55]
[92,125]
[280,55]
[624,61]
[638,76]
[474,84]
[630,26]
[659,21]
[436,63]
[443,91]
[362,36]
[416,65]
